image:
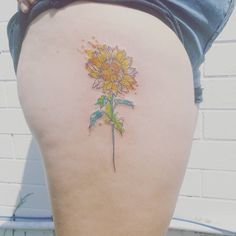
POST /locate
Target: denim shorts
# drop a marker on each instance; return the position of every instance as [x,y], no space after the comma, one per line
[197,23]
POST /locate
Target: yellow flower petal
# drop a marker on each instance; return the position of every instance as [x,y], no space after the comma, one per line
[94,74]
[125,63]
[113,77]
[107,85]
[114,88]
[89,52]
[95,61]
[120,56]
[102,56]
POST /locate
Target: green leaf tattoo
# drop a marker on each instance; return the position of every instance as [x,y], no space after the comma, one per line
[94,117]
[102,101]
[123,101]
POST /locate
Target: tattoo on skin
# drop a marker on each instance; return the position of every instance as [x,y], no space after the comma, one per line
[111,70]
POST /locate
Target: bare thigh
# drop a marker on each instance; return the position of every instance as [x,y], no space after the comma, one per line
[57,98]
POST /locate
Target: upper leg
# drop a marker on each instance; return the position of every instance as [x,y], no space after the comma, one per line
[57,98]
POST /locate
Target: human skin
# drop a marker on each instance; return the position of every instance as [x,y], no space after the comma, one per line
[57,98]
[25,5]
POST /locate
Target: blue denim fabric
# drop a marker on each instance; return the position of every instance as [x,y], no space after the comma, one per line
[197,23]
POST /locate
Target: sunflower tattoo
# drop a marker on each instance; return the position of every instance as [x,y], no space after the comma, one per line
[111,70]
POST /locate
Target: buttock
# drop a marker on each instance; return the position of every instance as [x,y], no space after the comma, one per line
[196,23]
[150,94]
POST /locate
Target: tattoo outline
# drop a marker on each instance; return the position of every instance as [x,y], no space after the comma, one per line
[113,74]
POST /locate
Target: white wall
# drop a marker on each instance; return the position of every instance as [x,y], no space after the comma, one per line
[208,194]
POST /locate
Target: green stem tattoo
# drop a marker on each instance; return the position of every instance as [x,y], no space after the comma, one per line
[113,135]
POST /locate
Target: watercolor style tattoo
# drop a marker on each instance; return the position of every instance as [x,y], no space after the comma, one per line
[111,70]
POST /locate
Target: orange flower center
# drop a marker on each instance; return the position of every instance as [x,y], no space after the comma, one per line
[111,71]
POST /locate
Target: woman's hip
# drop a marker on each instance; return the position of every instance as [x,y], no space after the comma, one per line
[111,104]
